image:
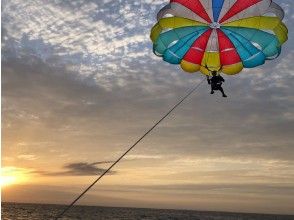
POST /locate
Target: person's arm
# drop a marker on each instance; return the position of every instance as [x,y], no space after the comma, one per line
[222,79]
[208,80]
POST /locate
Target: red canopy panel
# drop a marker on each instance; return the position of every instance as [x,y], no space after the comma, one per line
[239,6]
[196,52]
[195,6]
[228,52]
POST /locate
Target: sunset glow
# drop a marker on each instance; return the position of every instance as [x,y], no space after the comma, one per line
[7,180]
[12,175]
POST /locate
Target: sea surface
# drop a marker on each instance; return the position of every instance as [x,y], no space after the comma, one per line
[18,211]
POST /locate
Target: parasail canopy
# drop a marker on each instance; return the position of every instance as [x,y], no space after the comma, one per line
[221,35]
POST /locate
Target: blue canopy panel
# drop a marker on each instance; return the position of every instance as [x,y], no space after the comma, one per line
[217,6]
[268,43]
[175,51]
[175,54]
[166,39]
[250,55]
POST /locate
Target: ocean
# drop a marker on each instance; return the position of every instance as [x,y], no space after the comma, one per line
[18,211]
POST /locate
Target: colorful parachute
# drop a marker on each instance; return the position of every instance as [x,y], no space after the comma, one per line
[221,35]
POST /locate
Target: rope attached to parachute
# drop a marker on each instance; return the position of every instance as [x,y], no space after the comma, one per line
[139,140]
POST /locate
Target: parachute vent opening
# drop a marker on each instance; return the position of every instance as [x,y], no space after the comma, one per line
[215,25]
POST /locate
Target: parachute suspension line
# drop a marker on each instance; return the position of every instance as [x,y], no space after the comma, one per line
[121,157]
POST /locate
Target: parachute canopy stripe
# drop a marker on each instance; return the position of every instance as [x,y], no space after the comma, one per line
[210,61]
[195,6]
[268,42]
[175,53]
[165,39]
[260,8]
[228,53]
[226,7]
[250,55]
[178,10]
[171,23]
[263,23]
[239,6]
[196,52]
[221,35]
[217,6]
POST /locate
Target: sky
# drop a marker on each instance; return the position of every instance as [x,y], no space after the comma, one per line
[80,84]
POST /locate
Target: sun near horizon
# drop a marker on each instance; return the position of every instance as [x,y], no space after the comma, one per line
[12,176]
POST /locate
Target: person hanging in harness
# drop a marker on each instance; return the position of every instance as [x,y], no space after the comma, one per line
[216,83]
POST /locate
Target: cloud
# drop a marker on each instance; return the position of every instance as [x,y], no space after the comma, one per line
[27,157]
[79,169]
[142,156]
[88,34]
[73,109]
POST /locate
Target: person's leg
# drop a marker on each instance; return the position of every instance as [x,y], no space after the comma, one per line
[211,92]
[222,91]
